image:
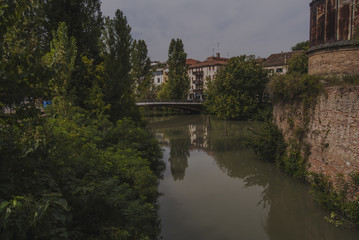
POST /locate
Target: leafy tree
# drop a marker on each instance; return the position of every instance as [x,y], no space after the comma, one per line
[301,46]
[141,69]
[84,22]
[71,173]
[10,13]
[61,61]
[22,77]
[298,63]
[117,42]
[238,89]
[83,19]
[178,82]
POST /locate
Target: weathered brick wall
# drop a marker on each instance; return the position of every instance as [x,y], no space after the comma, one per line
[333,132]
[333,62]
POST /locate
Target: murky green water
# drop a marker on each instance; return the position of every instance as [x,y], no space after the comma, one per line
[216,188]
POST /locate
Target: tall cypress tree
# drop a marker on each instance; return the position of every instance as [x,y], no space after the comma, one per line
[141,66]
[117,42]
[178,81]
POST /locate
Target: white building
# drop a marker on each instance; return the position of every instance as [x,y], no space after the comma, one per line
[278,63]
[200,72]
[157,77]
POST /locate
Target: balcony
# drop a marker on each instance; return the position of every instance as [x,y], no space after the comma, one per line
[198,90]
[197,73]
[198,82]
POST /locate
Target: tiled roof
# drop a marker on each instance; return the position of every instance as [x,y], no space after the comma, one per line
[279,59]
[191,61]
[210,62]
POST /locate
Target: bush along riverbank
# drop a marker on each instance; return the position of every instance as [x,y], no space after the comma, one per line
[300,141]
[83,167]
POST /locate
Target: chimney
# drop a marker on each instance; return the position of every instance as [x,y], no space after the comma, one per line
[218,55]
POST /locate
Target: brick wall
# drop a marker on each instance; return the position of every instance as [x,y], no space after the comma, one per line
[333,131]
[333,62]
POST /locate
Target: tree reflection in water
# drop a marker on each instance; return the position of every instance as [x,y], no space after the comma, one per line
[180,143]
[290,212]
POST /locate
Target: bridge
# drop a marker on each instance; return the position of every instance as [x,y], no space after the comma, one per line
[190,105]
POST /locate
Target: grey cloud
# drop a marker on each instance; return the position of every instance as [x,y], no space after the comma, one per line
[257,27]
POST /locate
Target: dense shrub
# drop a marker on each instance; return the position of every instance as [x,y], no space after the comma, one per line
[339,201]
[73,179]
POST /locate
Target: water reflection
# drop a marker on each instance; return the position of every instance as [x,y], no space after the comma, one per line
[287,209]
[180,144]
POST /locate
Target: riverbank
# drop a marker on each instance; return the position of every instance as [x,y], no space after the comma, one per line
[215,187]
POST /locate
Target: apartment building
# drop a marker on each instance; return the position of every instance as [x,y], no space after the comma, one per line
[200,72]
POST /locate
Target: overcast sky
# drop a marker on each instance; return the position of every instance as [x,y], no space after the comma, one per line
[259,27]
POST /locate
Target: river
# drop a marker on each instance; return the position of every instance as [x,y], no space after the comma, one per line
[214,187]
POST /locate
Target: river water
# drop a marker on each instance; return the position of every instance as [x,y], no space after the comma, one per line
[214,187]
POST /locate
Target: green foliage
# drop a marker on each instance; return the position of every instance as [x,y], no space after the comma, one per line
[339,201]
[94,74]
[61,61]
[10,13]
[238,90]
[141,70]
[294,164]
[301,46]
[118,87]
[268,143]
[294,88]
[83,19]
[105,176]
[21,74]
[178,82]
[298,63]
[70,173]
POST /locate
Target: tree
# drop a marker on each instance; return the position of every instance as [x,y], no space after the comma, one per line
[22,76]
[238,89]
[178,82]
[141,69]
[301,46]
[69,173]
[117,42]
[298,63]
[61,62]
[83,19]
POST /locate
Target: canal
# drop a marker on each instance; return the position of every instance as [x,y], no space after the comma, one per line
[214,187]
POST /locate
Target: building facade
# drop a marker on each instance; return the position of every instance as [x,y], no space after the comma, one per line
[158,77]
[200,73]
[278,63]
[334,37]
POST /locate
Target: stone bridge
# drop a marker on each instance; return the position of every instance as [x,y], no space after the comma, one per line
[193,106]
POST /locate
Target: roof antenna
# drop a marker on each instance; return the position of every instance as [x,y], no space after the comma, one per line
[218,46]
[213,52]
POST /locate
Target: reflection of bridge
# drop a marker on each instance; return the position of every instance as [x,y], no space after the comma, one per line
[193,106]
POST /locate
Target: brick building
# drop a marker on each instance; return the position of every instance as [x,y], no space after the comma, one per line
[334,37]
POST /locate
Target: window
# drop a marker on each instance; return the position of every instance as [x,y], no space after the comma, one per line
[158,80]
[279,70]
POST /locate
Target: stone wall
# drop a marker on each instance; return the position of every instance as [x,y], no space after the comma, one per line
[334,61]
[333,131]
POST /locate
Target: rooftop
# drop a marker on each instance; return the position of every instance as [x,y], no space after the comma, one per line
[279,59]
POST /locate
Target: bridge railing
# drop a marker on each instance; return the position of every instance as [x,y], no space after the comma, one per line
[169,100]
